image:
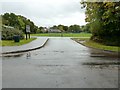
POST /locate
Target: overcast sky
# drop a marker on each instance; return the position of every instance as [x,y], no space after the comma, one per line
[47,12]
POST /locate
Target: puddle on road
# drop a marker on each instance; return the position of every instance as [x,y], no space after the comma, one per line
[103,65]
[59,51]
[52,65]
[52,69]
[98,56]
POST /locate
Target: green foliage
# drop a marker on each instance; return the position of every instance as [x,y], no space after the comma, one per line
[21,23]
[65,28]
[101,46]
[10,19]
[12,43]
[8,33]
[60,27]
[86,28]
[95,45]
[18,21]
[75,29]
[104,19]
[70,29]
[39,30]
[54,27]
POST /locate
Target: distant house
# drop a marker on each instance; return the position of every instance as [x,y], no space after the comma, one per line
[54,31]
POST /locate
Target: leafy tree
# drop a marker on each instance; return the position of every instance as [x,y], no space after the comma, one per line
[8,33]
[18,21]
[39,31]
[65,28]
[21,23]
[104,18]
[86,28]
[75,29]
[54,27]
[60,27]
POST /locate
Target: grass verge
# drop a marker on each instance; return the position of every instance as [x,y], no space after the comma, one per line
[12,43]
[63,34]
[92,44]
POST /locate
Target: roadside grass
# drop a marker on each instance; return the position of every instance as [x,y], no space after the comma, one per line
[63,34]
[92,44]
[12,43]
[81,39]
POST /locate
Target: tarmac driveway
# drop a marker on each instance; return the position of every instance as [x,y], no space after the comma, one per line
[62,63]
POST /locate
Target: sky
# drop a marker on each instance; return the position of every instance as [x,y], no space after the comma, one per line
[46,12]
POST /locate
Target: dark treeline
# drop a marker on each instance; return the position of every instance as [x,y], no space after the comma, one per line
[104,21]
[72,28]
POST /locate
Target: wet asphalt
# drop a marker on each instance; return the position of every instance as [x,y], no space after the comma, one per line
[62,63]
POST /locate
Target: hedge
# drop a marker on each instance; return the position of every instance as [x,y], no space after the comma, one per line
[8,33]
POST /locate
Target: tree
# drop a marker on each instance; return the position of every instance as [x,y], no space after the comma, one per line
[104,18]
[39,30]
[75,29]
[10,19]
[86,28]
[21,23]
[54,27]
[60,27]
[65,28]
[18,21]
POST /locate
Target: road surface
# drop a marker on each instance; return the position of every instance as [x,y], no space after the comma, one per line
[62,63]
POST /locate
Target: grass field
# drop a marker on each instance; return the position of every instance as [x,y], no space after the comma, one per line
[12,43]
[90,43]
[63,34]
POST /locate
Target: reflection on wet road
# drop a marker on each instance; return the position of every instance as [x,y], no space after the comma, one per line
[62,63]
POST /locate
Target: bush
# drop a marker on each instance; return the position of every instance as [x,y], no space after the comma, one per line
[8,33]
[114,41]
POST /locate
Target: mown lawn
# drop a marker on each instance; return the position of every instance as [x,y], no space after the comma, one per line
[12,43]
[90,43]
[63,34]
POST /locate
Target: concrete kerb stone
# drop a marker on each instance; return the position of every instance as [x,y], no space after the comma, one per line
[20,51]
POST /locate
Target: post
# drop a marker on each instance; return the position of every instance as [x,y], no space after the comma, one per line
[29,35]
[26,36]
[61,34]
[27,31]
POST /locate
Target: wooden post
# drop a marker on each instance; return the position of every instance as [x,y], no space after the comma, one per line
[26,36]
[29,35]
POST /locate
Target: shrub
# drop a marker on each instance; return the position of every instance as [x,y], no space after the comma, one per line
[114,41]
[8,33]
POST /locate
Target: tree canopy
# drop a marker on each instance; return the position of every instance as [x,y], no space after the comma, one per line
[104,19]
[71,28]
[18,21]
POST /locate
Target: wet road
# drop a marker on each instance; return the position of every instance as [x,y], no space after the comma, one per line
[62,63]
[0,73]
